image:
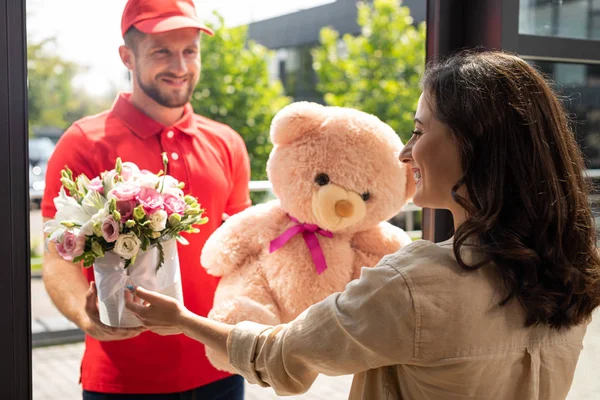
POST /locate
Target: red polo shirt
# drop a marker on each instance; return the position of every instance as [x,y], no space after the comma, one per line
[213,162]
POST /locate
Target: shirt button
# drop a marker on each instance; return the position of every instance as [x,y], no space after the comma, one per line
[175,156]
[170,134]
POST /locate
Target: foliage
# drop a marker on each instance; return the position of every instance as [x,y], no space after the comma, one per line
[52,99]
[378,71]
[235,89]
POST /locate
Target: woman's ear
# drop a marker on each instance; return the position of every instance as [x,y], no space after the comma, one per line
[296,120]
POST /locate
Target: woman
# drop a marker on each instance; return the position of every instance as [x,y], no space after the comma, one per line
[497,312]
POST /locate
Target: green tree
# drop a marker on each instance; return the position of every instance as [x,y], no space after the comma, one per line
[377,71]
[52,99]
[49,85]
[235,89]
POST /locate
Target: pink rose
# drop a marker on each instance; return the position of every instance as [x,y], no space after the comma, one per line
[96,184]
[174,204]
[125,208]
[125,191]
[110,229]
[150,199]
[72,245]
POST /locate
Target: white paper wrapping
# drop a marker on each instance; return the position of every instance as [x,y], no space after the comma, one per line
[111,279]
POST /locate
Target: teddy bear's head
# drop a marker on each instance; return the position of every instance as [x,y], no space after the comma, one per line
[337,167]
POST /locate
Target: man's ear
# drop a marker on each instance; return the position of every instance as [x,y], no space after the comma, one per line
[127,56]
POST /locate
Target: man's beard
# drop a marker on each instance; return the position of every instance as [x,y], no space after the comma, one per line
[166,99]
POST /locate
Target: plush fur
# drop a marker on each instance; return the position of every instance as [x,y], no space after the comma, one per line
[359,154]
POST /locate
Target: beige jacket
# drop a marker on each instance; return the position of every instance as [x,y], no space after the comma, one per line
[417,326]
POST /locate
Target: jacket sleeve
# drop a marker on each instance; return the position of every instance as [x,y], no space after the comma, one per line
[369,325]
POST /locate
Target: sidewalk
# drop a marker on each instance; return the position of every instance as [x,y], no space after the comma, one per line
[56,372]
[56,368]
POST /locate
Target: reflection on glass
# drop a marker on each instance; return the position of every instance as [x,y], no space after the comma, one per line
[293,66]
[576,19]
[579,86]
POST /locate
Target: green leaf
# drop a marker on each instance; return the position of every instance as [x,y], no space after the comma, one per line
[182,240]
[132,260]
[161,255]
[97,249]
[145,242]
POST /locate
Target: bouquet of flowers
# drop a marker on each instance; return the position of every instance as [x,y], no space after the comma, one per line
[124,223]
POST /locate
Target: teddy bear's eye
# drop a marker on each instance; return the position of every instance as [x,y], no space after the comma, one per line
[366,196]
[322,179]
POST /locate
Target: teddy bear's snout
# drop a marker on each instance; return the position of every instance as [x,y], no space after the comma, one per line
[344,208]
[335,207]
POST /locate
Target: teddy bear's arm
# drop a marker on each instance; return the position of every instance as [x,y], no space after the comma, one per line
[243,295]
[240,238]
[370,246]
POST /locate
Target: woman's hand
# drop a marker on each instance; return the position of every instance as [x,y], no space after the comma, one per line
[90,322]
[166,316]
[159,313]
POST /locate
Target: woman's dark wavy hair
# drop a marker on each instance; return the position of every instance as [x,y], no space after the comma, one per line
[527,196]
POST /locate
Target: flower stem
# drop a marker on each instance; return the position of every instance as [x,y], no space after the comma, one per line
[165,161]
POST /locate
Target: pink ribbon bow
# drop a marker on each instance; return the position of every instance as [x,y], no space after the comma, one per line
[309,232]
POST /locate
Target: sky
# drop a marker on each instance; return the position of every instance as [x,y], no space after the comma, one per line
[88,31]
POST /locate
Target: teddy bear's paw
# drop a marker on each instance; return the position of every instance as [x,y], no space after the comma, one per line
[219,361]
[244,309]
[218,263]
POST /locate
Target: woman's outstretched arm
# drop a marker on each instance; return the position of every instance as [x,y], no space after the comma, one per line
[369,325]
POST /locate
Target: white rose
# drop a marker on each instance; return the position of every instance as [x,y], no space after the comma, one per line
[127,245]
[169,181]
[147,180]
[88,228]
[174,191]
[129,171]
[158,220]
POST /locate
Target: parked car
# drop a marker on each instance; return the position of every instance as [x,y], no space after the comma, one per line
[40,149]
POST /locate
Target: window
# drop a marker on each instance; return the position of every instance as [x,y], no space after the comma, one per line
[575,19]
[579,86]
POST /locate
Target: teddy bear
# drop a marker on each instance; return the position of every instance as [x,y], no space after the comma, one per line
[337,179]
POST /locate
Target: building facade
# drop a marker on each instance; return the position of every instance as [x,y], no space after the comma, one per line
[292,36]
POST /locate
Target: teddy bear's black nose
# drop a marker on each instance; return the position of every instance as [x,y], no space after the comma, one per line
[322,179]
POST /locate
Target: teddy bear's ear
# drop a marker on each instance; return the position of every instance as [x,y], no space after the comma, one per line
[295,120]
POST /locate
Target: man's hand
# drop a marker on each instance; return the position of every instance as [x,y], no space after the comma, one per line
[92,325]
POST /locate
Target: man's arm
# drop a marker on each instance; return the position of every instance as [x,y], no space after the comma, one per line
[76,299]
[64,281]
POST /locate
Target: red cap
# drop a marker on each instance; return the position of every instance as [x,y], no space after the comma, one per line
[157,16]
